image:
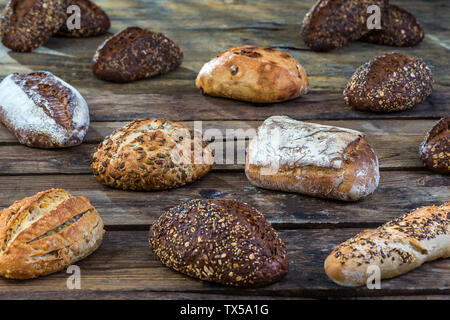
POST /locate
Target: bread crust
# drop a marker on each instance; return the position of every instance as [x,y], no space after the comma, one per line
[254,74]
[94,21]
[387,83]
[46,233]
[43,111]
[152,154]
[221,241]
[313,164]
[28,24]
[396,247]
[435,150]
[134,54]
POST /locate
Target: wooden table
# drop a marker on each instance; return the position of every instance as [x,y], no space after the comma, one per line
[124,267]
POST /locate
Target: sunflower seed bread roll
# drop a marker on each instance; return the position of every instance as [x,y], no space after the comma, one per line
[396,247]
[312,159]
[46,233]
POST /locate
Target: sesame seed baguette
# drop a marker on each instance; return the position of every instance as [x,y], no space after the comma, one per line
[396,247]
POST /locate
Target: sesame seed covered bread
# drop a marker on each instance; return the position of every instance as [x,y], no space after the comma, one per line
[46,233]
[312,159]
[435,150]
[93,21]
[255,74]
[27,24]
[399,28]
[134,54]
[152,154]
[396,247]
[221,241]
[42,110]
[391,82]
[330,24]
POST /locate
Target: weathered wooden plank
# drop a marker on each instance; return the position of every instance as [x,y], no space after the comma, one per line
[109,269]
[398,192]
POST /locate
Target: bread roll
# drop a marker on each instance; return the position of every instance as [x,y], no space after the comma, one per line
[46,233]
[312,159]
[396,247]
[153,154]
[435,150]
[42,110]
[254,74]
[221,241]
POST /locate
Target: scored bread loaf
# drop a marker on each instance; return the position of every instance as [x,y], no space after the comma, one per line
[396,247]
[312,159]
[46,233]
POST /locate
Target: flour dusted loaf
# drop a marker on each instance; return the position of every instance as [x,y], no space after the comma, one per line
[42,110]
[330,24]
[28,24]
[396,247]
[152,154]
[46,233]
[93,21]
[312,159]
[255,74]
[391,82]
[435,150]
[134,54]
[221,241]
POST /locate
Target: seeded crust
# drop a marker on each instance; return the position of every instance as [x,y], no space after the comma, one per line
[153,154]
[435,150]
[94,21]
[28,24]
[220,241]
[396,247]
[134,54]
[46,233]
[387,83]
[330,24]
[400,29]
[255,74]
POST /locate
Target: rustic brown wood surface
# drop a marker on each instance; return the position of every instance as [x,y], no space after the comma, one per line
[124,267]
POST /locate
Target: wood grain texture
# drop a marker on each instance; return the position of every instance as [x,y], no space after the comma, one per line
[110,269]
[398,192]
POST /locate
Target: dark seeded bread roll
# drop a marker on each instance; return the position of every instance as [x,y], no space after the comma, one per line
[152,154]
[94,21]
[330,24]
[435,150]
[46,233]
[400,29]
[391,82]
[134,54]
[396,247]
[221,241]
[27,24]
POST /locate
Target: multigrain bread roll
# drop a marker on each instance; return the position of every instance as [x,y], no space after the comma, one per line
[42,110]
[152,154]
[46,233]
[221,241]
[28,24]
[396,247]
[134,54]
[435,150]
[93,21]
[254,74]
[312,159]
[391,82]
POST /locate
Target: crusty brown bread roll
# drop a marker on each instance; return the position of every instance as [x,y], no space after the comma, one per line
[435,150]
[46,233]
[396,247]
[254,74]
[312,159]
[221,241]
[152,154]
